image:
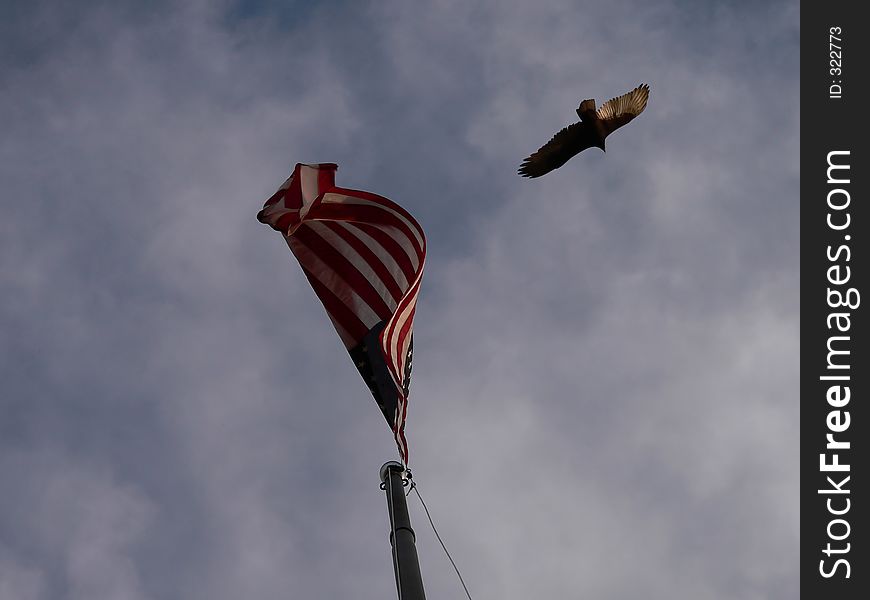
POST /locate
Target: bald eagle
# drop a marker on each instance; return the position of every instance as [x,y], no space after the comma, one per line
[594,126]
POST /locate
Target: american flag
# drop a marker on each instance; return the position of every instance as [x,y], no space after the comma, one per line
[363,255]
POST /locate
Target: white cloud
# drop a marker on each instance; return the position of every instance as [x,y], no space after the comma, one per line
[604,399]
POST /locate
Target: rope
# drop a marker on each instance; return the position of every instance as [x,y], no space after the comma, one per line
[426,508]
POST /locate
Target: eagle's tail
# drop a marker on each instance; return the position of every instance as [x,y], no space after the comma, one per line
[586,106]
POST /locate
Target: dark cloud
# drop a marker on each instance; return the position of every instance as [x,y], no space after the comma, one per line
[604,399]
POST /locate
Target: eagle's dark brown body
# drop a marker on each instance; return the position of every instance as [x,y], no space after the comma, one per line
[592,129]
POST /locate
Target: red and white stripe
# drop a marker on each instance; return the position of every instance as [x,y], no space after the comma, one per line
[363,254]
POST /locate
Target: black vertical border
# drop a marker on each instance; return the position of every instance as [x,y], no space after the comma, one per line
[830,124]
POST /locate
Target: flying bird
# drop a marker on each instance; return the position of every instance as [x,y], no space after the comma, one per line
[590,131]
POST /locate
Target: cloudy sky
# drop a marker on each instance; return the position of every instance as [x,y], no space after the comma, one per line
[604,403]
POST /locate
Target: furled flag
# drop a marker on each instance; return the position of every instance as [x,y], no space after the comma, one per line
[363,255]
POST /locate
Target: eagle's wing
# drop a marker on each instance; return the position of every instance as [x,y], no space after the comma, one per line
[616,112]
[555,153]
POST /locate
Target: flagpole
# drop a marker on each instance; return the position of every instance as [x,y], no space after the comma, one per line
[409,582]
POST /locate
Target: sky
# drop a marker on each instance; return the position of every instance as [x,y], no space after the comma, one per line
[604,402]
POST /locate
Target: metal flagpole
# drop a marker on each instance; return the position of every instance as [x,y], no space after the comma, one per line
[409,583]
